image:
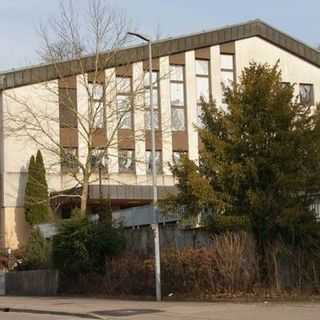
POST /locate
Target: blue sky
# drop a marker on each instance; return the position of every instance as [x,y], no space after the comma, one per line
[19,20]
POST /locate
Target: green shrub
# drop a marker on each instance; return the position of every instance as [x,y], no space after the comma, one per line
[82,246]
[37,254]
[222,223]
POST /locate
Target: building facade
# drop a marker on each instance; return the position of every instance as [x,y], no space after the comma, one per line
[184,69]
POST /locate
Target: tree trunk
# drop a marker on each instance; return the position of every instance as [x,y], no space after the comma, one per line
[84,197]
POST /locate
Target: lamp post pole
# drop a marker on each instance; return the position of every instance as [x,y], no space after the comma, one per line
[155,225]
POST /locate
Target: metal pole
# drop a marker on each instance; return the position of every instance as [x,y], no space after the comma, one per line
[100,184]
[155,225]
[154,184]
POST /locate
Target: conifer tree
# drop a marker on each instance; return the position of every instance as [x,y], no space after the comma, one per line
[29,191]
[36,192]
[261,160]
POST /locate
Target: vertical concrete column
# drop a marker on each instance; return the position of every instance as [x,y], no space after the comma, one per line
[191,105]
[139,130]
[165,109]
[215,75]
[83,121]
[111,119]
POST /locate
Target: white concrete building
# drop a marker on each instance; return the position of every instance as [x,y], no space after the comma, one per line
[185,68]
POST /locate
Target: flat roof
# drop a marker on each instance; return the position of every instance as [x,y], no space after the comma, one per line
[169,46]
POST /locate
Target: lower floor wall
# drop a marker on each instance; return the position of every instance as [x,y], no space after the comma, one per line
[14,228]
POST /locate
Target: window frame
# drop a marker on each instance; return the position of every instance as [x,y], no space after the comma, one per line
[156,107]
[125,170]
[202,76]
[228,69]
[173,106]
[105,157]
[311,85]
[159,168]
[128,94]
[65,165]
[93,100]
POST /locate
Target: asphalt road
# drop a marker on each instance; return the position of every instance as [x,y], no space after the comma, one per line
[25,316]
[80,308]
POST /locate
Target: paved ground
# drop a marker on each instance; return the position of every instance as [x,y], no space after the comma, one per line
[76,308]
[26,316]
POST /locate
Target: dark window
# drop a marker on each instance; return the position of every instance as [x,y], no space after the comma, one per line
[306,94]
[99,158]
[69,159]
[126,160]
[149,162]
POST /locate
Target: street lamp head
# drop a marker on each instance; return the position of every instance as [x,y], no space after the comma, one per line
[138,35]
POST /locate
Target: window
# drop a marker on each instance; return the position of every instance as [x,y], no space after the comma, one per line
[69,159]
[177,94]
[124,111]
[147,119]
[226,61]
[177,98]
[306,94]
[99,158]
[178,119]
[149,161]
[123,85]
[126,160]
[202,67]
[203,86]
[96,91]
[176,155]
[96,104]
[176,73]
[227,69]
[227,73]
[155,97]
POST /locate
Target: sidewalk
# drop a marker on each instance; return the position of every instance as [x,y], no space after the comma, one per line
[120,309]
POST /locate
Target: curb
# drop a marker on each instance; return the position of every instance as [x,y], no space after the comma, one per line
[49,312]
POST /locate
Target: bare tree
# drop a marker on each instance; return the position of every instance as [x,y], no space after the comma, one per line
[92,37]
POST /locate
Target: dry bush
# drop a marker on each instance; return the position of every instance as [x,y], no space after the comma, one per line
[227,267]
[235,260]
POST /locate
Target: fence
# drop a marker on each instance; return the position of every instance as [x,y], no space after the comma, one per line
[32,283]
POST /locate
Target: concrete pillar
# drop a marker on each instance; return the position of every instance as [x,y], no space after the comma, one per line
[139,130]
[191,105]
[215,74]
[111,120]
[165,109]
[83,123]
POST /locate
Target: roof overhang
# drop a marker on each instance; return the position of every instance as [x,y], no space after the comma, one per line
[170,46]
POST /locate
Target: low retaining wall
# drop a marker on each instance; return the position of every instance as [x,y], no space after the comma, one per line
[141,239]
[32,283]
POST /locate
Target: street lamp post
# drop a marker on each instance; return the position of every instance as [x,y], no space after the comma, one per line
[155,225]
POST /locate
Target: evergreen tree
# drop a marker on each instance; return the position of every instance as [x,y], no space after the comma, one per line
[261,161]
[36,192]
[29,190]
